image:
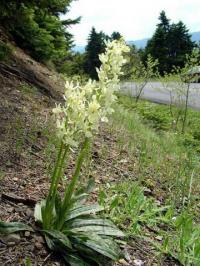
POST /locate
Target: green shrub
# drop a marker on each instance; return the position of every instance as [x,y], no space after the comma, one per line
[157,118]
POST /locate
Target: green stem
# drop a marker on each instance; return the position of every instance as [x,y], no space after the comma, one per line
[185,109]
[70,188]
[60,171]
[57,173]
[55,170]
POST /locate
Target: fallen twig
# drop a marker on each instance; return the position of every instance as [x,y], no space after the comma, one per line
[37,155]
[26,201]
[47,257]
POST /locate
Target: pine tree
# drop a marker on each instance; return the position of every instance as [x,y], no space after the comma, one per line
[37,27]
[164,22]
[95,46]
[170,44]
[116,35]
[180,44]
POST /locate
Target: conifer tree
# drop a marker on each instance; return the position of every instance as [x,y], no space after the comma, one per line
[37,27]
[170,44]
[95,46]
[115,35]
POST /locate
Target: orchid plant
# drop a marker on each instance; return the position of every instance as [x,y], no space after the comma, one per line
[70,226]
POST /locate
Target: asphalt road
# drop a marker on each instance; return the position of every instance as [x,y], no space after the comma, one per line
[160,93]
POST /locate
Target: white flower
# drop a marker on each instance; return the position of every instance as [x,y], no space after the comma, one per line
[85,106]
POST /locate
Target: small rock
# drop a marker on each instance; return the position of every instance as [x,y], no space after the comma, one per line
[138,263]
[147,192]
[19,209]
[38,245]
[126,175]
[39,239]
[11,209]
[29,212]
[44,252]
[123,161]
[123,262]
[27,234]
[160,238]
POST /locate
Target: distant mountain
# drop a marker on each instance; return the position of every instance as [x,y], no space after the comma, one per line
[140,43]
[79,49]
[143,42]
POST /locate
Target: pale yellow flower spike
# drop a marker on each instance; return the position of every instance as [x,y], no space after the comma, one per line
[85,106]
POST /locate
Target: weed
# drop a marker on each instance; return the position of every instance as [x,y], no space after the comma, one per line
[183,240]
[28,262]
[27,89]
[5,51]
[131,209]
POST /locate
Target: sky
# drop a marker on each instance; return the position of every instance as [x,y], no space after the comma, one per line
[133,19]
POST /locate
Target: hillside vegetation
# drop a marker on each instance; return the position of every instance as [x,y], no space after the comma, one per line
[94,177]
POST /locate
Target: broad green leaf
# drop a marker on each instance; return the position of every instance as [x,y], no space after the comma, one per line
[57,235]
[101,246]
[8,228]
[87,252]
[111,243]
[83,210]
[99,230]
[90,221]
[75,260]
[50,243]
[80,198]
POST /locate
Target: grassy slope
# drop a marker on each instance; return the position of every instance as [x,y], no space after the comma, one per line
[142,175]
[161,203]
